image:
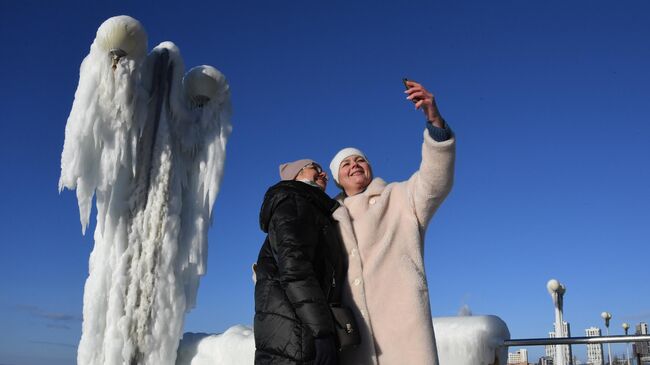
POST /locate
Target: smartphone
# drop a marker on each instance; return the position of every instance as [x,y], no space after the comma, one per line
[404,80]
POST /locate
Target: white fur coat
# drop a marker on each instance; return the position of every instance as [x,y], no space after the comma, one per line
[383,232]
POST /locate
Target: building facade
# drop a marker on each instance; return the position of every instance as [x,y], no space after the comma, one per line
[641,350]
[519,357]
[549,350]
[565,350]
[594,350]
[545,360]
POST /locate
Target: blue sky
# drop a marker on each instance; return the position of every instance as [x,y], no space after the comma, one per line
[549,101]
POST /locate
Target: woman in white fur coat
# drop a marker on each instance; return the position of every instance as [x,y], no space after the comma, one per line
[383,226]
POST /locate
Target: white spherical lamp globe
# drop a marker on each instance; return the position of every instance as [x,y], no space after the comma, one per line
[606,316]
[553,286]
[122,35]
[203,84]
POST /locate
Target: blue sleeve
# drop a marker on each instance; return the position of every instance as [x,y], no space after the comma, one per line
[439,134]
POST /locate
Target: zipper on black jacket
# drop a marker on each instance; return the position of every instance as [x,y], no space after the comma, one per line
[329,290]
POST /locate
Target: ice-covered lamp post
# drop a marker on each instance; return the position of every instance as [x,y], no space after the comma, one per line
[147,145]
[557,291]
[607,316]
[626,327]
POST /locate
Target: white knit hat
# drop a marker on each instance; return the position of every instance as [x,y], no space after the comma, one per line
[342,155]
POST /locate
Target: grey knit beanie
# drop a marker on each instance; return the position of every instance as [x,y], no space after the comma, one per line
[289,170]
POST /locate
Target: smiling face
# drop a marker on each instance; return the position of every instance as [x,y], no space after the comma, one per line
[354,174]
[313,172]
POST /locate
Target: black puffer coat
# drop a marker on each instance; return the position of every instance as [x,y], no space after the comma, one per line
[299,269]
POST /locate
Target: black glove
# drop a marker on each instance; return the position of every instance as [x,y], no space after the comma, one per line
[326,353]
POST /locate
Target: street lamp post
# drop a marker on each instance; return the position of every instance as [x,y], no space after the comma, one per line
[557,291]
[607,316]
[627,345]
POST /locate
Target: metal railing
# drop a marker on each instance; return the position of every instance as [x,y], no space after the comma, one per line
[576,340]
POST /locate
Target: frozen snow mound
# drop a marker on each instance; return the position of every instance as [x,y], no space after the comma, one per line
[471,340]
[235,346]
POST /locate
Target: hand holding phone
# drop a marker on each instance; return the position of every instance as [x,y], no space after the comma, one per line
[404,81]
[424,101]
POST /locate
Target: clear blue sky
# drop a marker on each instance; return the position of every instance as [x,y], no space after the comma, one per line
[549,99]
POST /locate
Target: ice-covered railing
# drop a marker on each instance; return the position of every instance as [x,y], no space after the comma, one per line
[581,341]
[576,340]
[471,340]
[464,340]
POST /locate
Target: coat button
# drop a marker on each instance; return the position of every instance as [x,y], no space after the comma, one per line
[372,201]
[353,252]
[357,281]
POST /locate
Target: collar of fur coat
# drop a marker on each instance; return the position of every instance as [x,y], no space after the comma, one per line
[376,186]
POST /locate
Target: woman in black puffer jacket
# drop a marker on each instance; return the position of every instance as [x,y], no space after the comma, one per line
[298,270]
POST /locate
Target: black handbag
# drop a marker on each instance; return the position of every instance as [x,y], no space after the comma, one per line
[347,330]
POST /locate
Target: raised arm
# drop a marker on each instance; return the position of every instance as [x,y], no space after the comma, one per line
[429,186]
